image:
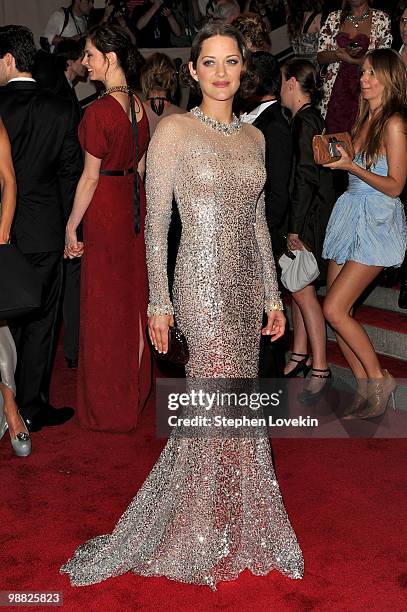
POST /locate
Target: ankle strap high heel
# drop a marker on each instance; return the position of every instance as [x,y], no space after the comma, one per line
[328,375]
[301,367]
[309,397]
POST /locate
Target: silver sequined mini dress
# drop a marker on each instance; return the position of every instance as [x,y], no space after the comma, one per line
[211,507]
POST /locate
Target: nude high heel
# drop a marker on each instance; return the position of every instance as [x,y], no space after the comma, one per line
[379,393]
[359,401]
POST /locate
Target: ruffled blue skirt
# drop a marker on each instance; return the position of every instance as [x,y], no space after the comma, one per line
[368,227]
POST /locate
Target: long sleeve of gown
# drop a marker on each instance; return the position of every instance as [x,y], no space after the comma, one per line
[272,298]
[160,174]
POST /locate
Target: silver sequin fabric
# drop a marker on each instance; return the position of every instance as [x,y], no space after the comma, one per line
[211,507]
[8,358]
[225,273]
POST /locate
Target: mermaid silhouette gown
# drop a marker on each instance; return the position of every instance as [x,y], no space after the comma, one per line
[211,507]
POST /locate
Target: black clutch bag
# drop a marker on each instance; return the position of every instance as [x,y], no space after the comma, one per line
[178,352]
[20,286]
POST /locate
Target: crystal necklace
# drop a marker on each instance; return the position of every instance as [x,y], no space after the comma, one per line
[224,128]
[122,88]
[356,20]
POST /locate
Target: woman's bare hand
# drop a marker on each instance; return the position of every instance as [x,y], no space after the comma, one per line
[73,248]
[158,329]
[294,243]
[343,163]
[275,325]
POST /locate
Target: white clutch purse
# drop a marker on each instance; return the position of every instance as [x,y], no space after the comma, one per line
[299,269]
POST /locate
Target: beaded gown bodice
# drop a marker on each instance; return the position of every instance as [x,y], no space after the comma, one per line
[225,272]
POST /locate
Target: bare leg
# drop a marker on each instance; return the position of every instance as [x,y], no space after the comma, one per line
[300,344]
[355,365]
[141,342]
[314,322]
[345,289]
[315,326]
[14,421]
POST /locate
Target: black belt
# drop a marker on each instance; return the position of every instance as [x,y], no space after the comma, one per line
[116,172]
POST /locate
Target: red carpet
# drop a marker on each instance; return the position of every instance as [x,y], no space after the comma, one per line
[346,499]
[397,367]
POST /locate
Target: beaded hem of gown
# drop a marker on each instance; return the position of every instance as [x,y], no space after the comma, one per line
[187,523]
[211,507]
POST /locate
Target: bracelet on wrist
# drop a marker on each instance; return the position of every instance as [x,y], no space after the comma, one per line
[160,309]
[273,305]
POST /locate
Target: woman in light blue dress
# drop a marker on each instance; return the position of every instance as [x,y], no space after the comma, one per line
[367,229]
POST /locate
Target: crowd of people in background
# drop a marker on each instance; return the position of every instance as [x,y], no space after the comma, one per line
[173,23]
[341,56]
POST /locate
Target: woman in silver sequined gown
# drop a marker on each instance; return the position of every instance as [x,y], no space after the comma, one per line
[211,507]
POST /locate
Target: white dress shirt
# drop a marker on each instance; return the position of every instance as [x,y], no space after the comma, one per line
[252,116]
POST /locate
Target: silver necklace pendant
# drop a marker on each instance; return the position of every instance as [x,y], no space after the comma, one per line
[224,128]
[356,20]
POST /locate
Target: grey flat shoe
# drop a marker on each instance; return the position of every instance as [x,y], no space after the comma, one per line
[21,444]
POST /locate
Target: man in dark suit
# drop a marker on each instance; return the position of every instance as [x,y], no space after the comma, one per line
[47,161]
[267,116]
[58,74]
[69,54]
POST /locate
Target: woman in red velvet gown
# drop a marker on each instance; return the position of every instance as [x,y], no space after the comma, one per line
[114,365]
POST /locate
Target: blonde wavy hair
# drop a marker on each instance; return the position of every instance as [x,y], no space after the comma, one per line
[253,30]
[159,73]
[391,72]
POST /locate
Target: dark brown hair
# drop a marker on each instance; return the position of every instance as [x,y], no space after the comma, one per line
[211,29]
[110,38]
[19,42]
[295,14]
[262,77]
[400,8]
[305,73]
[217,28]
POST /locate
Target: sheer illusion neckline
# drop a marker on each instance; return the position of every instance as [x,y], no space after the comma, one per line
[224,128]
